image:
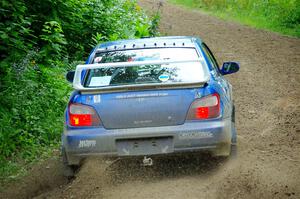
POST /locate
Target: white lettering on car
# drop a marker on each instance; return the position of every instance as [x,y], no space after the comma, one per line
[195,135]
[141,95]
[86,143]
[143,122]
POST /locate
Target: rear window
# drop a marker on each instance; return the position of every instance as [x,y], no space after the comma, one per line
[188,72]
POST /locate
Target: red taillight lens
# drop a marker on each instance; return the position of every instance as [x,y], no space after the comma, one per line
[82,115]
[202,112]
[80,120]
[205,108]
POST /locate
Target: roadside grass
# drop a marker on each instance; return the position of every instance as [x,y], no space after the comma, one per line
[274,15]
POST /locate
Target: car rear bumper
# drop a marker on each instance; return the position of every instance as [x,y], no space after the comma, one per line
[189,137]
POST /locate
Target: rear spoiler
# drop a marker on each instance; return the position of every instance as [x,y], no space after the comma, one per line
[77,83]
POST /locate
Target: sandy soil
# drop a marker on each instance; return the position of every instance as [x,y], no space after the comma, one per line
[267,98]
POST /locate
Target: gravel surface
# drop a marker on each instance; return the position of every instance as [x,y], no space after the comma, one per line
[267,98]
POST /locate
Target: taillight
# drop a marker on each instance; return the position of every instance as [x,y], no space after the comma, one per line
[205,108]
[83,115]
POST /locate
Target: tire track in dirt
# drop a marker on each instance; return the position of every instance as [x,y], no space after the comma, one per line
[266,92]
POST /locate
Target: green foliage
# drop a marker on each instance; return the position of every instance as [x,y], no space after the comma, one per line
[142,30]
[54,41]
[32,106]
[38,41]
[153,30]
[15,28]
[277,15]
[64,26]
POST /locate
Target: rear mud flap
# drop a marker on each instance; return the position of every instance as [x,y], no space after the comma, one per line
[223,149]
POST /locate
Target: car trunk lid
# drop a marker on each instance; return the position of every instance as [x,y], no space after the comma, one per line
[145,108]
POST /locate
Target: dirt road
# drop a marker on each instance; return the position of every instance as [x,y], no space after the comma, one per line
[267,98]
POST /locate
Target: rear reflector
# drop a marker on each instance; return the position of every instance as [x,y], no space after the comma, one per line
[83,115]
[205,108]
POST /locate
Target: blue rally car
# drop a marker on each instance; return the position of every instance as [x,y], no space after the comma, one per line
[146,97]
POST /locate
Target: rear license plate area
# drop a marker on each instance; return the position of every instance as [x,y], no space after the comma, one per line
[144,146]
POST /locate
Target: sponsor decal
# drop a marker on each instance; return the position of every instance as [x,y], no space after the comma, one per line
[126,152]
[143,122]
[165,149]
[100,81]
[97,59]
[195,135]
[142,95]
[97,99]
[86,143]
[89,99]
[163,78]
[197,94]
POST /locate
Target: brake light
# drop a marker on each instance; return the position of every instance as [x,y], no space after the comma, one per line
[205,108]
[83,115]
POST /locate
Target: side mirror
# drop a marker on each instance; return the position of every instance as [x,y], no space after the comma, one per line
[70,76]
[230,67]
